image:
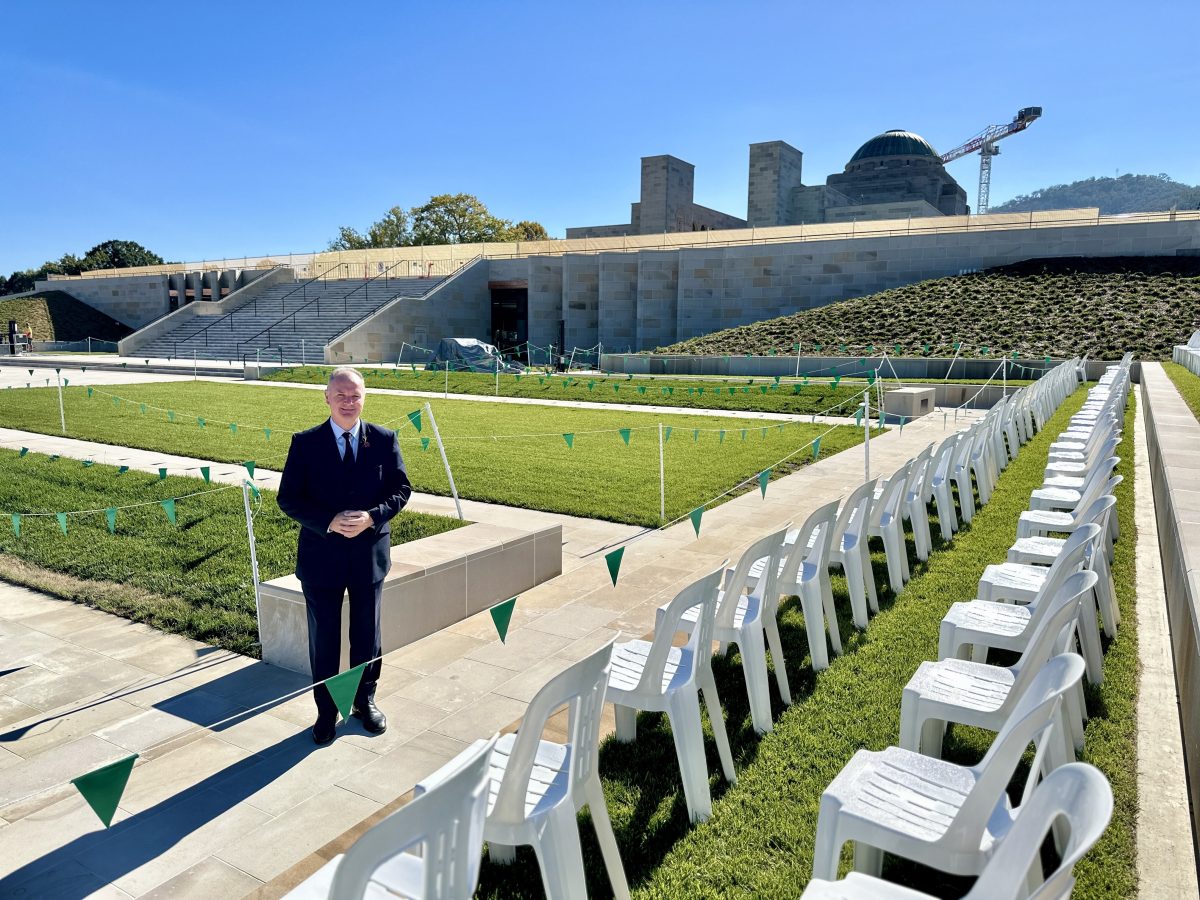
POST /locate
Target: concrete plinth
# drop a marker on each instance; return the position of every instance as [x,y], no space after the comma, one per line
[434,582]
[910,402]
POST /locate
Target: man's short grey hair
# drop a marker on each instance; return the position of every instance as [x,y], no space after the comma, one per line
[346,372]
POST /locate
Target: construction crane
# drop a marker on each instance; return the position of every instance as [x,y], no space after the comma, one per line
[985,143]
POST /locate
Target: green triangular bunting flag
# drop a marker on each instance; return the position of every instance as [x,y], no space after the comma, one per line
[16,524]
[162,474]
[111,515]
[142,408]
[122,470]
[62,521]
[415,418]
[254,490]
[267,432]
[249,464]
[763,477]
[614,563]
[88,463]
[624,435]
[721,436]
[169,507]
[816,448]
[569,437]
[205,473]
[200,421]
[233,427]
[667,434]
[343,687]
[170,415]
[424,444]
[502,615]
[696,515]
[103,787]
[24,450]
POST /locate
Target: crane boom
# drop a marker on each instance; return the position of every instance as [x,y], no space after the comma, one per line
[985,144]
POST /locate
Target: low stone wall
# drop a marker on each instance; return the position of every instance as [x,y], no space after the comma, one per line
[434,582]
[1174,444]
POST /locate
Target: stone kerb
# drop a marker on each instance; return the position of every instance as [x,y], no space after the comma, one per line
[129,346]
[1173,439]
[434,582]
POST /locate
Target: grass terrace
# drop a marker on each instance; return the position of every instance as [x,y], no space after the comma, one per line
[759,841]
[57,316]
[191,578]
[1187,384]
[500,453]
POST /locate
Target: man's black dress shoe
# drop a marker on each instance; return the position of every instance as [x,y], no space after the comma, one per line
[323,732]
[373,720]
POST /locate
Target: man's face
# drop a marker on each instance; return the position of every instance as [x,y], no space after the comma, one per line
[345,398]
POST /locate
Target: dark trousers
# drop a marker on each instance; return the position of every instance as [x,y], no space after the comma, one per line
[325,638]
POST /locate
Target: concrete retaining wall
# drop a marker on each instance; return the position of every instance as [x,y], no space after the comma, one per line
[1174,445]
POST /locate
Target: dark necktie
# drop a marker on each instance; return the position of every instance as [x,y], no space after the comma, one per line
[348,455]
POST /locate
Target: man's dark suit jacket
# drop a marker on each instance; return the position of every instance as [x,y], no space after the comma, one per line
[316,486]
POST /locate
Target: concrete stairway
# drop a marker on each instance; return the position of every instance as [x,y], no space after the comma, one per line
[266,326]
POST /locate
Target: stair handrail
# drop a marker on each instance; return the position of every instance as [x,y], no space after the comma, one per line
[385,274]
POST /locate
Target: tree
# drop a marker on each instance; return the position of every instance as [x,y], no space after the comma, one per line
[390,231]
[456,219]
[108,255]
[113,255]
[444,219]
[528,231]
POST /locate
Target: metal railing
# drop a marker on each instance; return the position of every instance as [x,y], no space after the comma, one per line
[345,298]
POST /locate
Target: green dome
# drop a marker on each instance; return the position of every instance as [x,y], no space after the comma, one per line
[894,143]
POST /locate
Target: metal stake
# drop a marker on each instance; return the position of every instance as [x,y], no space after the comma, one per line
[867,427]
[445,462]
[62,416]
[662,478]
[253,550]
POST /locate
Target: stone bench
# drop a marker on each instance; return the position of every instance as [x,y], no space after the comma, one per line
[434,582]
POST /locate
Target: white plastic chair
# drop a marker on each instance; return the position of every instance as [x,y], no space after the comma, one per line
[960,471]
[934,812]
[805,573]
[938,479]
[972,693]
[1013,583]
[887,523]
[978,625]
[914,508]
[1076,796]
[662,678]
[849,550]
[1032,523]
[742,619]
[445,824]
[538,786]
[1042,551]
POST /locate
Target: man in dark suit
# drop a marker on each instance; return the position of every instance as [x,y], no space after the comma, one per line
[343,482]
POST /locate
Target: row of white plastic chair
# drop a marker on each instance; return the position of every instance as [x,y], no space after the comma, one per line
[958,819]
[520,789]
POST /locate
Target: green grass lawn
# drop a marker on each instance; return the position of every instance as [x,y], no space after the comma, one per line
[759,842]
[787,395]
[501,453]
[1187,384]
[191,578]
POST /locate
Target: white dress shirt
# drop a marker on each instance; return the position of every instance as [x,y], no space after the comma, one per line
[355,432]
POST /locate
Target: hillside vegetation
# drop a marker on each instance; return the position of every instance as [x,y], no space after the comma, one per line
[1127,194]
[57,316]
[1052,307]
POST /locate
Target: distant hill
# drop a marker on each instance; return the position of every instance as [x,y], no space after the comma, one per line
[1041,307]
[1127,194]
[57,316]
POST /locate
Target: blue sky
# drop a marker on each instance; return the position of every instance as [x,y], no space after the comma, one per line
[218,129]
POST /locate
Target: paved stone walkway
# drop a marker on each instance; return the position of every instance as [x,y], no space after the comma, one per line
[253,805]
